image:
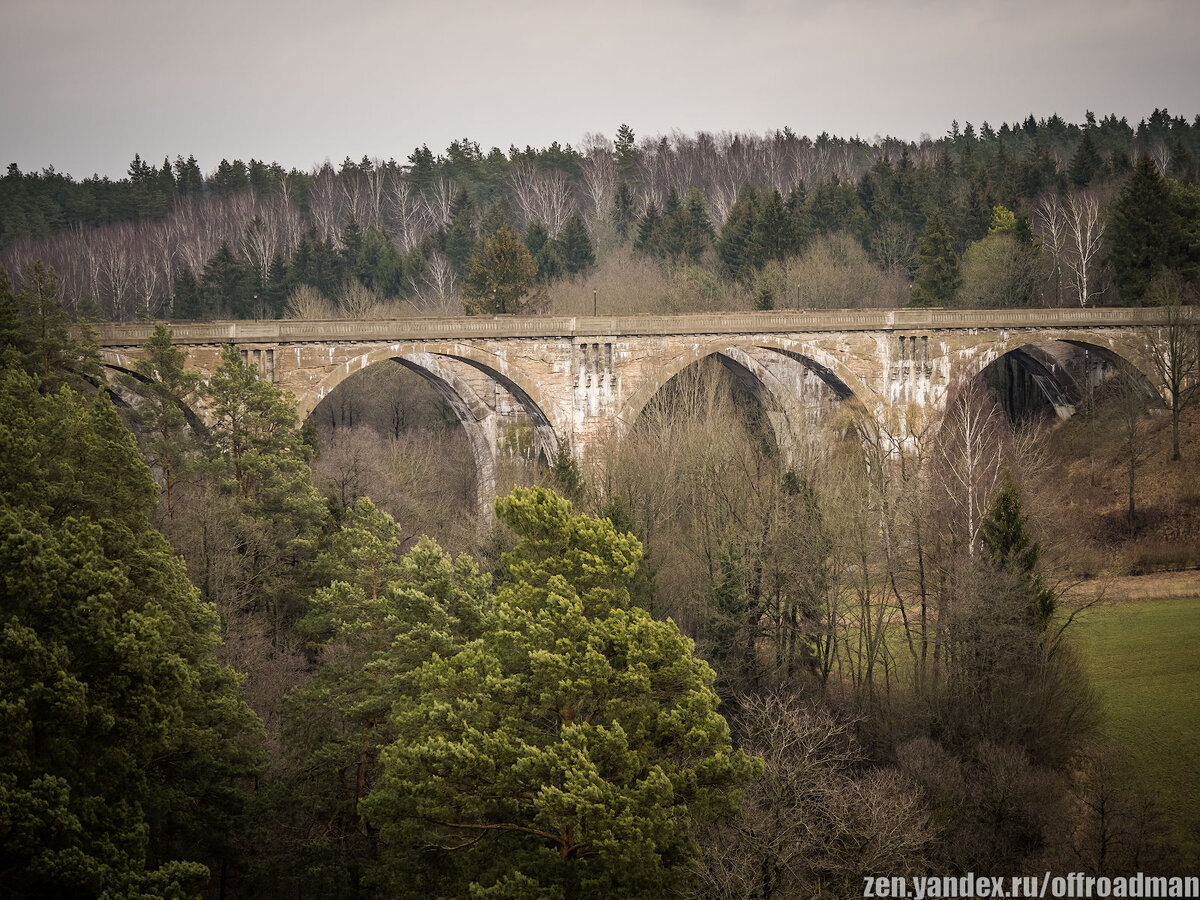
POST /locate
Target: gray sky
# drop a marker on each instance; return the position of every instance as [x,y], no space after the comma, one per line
[87,83]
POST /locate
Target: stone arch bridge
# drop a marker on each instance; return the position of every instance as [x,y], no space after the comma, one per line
[574,383]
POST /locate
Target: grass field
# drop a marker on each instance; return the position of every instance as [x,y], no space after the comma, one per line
[1144,660]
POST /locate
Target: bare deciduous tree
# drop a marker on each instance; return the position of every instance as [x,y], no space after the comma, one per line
[542,196]
[1085,232]
[1051,221]
[1175,348]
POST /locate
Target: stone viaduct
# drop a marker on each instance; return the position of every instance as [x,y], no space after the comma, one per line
[574,383]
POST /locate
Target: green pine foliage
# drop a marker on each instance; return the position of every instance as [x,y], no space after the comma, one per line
[937,265]
[563,751]
[379,616]
[502,275]
[259,459]
[168,390]
[1154,225]
[1009,546]
[122,739]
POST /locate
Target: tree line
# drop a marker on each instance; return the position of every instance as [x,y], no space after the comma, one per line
[1036,212]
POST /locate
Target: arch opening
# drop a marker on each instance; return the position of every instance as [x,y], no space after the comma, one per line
[411,435]
[1053,380]
[128,398]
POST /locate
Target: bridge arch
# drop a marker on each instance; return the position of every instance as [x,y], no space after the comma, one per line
[1061,387]
[425,354]
[435,363]
[114,364]
[751,363]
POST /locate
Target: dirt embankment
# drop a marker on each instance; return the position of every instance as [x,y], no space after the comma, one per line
[1091,476]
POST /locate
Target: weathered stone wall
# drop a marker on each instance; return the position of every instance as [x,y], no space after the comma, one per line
[579,382]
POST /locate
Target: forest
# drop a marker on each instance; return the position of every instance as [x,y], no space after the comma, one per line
[1037,213]
[245,655]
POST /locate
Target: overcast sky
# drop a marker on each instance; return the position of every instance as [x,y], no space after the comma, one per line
[88,83]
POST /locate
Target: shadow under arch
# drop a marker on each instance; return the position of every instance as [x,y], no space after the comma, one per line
[526,393]
[779,399]
[1063,381]
[119,365]
[471,411]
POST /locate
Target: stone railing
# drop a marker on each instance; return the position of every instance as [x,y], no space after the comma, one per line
[290,331]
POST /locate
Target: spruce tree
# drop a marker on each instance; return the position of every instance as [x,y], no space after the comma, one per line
[737,247]
[1009,546]
[1086,164]
[937,265]
[575,246]
[1153,226]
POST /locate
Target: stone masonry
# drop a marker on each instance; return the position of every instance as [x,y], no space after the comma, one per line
[576,383]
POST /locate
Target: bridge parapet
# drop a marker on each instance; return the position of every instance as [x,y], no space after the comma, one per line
[134,334]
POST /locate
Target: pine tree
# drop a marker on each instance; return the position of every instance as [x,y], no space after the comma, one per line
[1009,546]
[627,156]
[378,616]
[168,390]
[576,737]
[937,265]
[502,275]
[575,246]
[271,511]
[122,738]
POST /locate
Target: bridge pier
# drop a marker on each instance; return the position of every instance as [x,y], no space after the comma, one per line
[531,386]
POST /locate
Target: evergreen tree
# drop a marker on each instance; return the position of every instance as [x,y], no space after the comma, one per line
[229,285]
[188,176]
[1009,546]
[1154,225]
[772,237]
[833,206]
[52,353]
[623,215]
[696,231]
[121,737]
[501,277]
[460,240]
[937,265]
[575,246]
[627,155]
[379,616]
[737,247]
[649,237]
[495,216]
[573,740]
[190,301]
[168,389]
[547,255]
[1086,164]
[271,511]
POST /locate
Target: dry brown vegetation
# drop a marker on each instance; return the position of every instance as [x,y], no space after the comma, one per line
[1091,463]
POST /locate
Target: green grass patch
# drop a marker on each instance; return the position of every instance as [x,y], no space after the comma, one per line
[1143,657]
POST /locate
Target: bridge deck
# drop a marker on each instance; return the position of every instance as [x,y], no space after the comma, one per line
[775,321]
